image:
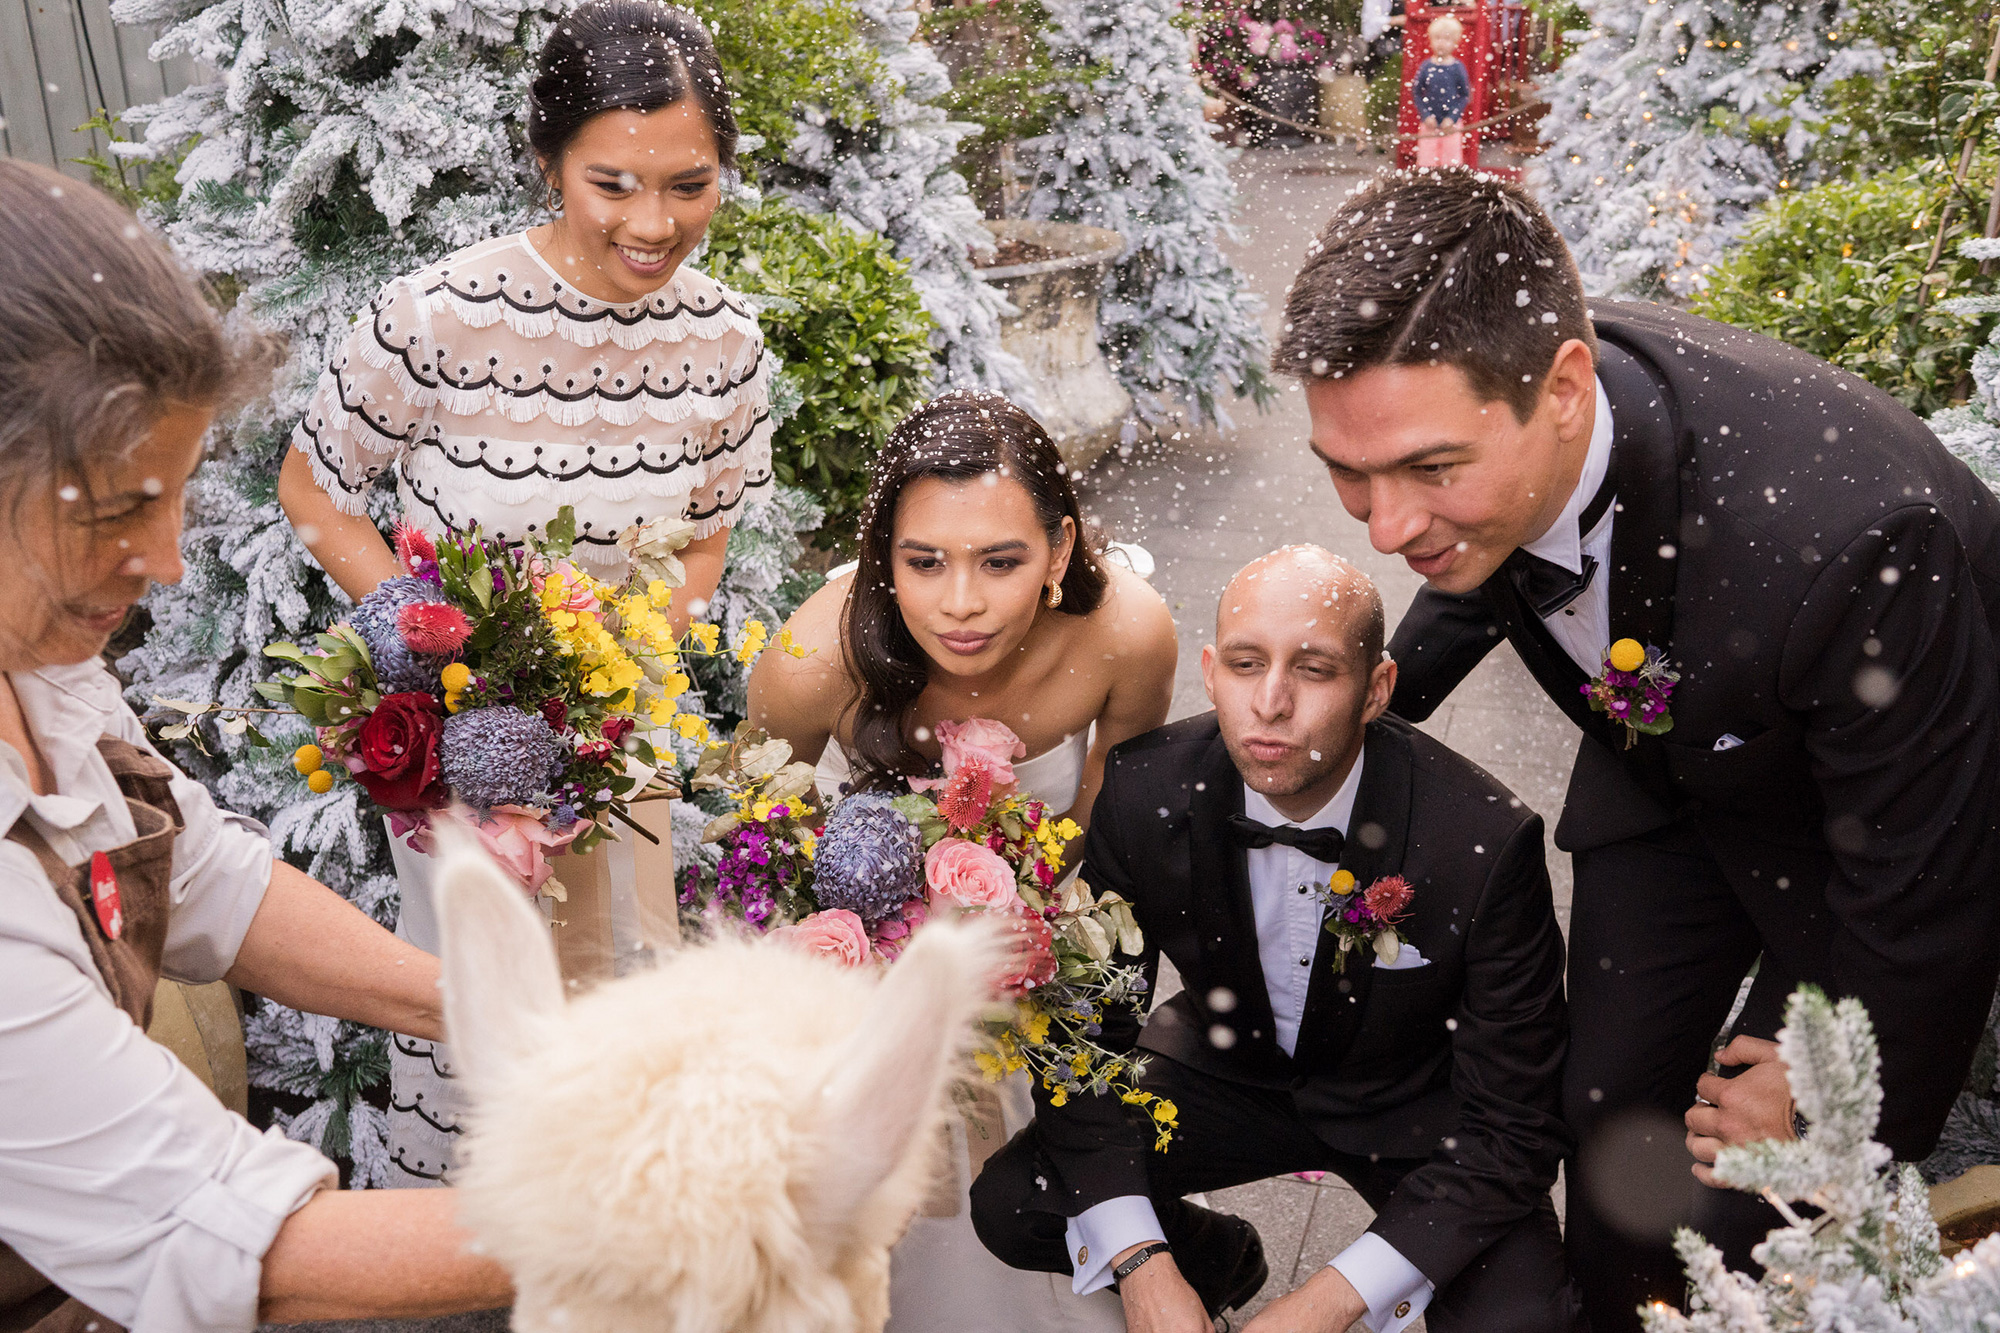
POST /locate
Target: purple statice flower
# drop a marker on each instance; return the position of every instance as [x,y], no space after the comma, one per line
[399,670]
[499,756]
[870,859]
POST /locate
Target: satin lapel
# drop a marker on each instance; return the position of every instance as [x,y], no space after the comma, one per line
[1644,535]
[1551,667]
[1219,878]
[1378,836]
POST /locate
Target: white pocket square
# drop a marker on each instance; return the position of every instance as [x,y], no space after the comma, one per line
[1407,957]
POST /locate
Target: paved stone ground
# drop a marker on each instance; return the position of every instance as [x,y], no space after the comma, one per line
[1207,503]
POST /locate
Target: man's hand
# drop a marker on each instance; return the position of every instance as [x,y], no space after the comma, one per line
[1327,1303]
[1753,1106]
[1158,1299]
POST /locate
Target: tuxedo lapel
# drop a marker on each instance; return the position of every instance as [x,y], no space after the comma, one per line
[1378,837]
[1220,882]
[1552,668]
[1645,534]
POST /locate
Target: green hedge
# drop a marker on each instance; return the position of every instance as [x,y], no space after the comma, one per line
[851,332]
[1836,270]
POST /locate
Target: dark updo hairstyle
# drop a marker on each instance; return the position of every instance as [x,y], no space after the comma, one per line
[957,437]
[630,55]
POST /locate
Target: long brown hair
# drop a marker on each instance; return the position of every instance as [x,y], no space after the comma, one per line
[957,437]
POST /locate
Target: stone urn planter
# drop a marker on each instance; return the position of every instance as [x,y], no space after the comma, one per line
[1967,1209]
[1052,272]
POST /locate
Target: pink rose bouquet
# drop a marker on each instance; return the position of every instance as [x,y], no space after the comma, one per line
[837,934]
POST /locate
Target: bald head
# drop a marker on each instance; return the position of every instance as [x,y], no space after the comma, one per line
[1331,592]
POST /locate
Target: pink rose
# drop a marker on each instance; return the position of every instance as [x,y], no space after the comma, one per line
[519,839]
[577,596]
[984,738]
[892,936]
[968,876]
[835,934]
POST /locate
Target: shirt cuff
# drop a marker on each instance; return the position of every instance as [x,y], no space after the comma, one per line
[1104,1230]
[1395,1290]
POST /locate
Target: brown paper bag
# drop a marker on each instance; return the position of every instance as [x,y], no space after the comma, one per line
[618,899]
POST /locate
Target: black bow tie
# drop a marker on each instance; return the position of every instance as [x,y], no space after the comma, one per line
[1321,844]
[1545,585]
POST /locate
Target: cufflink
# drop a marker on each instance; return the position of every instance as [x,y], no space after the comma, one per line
[1402,1309]
[1083,1254]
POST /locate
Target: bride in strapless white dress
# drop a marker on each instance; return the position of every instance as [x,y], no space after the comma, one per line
[940,1277]
[978,594]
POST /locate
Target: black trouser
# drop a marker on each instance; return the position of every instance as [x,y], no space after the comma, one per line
[1232,1134]
[1659,943]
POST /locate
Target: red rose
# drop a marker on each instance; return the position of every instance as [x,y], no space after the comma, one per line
[398,749]
[617,729]
[555,712]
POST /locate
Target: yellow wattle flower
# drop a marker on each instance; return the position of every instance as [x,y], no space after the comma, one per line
[1627,655]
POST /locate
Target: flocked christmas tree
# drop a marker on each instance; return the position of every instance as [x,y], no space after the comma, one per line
[1673,119]
[1869,1262]
[344,142]
[895,175]
[1131,152]
[1973,431]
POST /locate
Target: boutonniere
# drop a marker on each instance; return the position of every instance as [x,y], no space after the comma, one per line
[1633,690]
[1366,919]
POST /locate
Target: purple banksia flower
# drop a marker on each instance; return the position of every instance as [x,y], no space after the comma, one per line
[870,859]
[499,756]
[399,670]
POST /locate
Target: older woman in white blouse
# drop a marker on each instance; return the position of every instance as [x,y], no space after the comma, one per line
[129,1196]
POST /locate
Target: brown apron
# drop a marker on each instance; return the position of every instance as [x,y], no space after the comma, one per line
[130,966]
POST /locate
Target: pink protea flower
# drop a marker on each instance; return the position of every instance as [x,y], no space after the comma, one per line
[433,628]
[967,794]
[1387,897]
[413,545]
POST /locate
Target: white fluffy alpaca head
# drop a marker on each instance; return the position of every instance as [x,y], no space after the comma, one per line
[729,1142]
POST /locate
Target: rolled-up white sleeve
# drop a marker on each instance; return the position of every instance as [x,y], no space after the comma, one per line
[222,867]
[122,1178]
[1395,1290]
[1101,1232]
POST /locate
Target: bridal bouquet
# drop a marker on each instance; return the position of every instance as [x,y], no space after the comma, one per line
[855,885]
[501,682]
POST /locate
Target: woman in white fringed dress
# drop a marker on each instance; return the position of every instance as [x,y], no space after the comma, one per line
[977,595]
[577,363]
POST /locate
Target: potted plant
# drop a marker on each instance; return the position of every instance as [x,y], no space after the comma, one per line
[1270,65]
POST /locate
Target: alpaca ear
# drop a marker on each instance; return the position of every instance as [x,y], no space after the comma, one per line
[501,981]
[886,1082]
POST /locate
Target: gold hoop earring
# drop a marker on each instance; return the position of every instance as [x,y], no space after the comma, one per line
[1055,594]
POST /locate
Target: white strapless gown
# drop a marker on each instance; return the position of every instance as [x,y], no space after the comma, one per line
[941,1279]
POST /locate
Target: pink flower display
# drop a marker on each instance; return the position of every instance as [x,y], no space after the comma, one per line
[892,936]
[520,840]
[577,596]
[968,876]
[980,737]
[836,933]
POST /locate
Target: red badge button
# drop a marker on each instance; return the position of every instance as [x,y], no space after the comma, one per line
[104,895]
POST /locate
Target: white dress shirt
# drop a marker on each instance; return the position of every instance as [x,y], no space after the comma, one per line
[1583,628]
[1289,919]
[122,1178]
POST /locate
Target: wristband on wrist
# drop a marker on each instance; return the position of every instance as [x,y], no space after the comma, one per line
[1131,1266]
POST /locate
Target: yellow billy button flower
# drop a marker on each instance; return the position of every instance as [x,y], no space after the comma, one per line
[1343,882]
[308,760]
[454,700]
[455,677]
[320,781]
[1627,655]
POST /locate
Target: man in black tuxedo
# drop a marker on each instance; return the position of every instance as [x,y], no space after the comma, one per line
[1425,1075]
[1824,577]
